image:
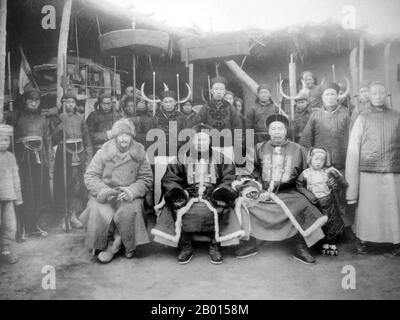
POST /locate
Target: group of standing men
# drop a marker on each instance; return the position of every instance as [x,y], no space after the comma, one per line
[285,189]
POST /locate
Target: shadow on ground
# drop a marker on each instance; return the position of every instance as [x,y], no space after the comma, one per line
[155,274]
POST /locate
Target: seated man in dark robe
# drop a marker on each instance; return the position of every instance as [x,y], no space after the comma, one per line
[198,198]
[279,211]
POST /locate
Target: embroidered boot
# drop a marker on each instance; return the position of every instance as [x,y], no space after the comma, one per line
[301,252]
[186,253]
[247,249]
[214,251]
[362,247]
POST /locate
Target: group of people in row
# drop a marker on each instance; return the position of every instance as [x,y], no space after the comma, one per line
[342,161]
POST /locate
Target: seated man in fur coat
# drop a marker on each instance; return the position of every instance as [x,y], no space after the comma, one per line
[118,178]
[198,199]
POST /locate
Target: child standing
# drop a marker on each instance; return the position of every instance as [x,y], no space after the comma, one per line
[320,183]
[10,194]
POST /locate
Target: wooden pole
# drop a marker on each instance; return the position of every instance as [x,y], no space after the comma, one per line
[61,64]
[354,76]
[293,89]
[10,92]
[209,88]
[361,53]
[242,76]
[292,84]
[3,33]
[177,91]
[191,72]
[62,48]
[154,94]
[134,80]
[386,59]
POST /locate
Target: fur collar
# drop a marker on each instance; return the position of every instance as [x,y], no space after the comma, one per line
[136,149]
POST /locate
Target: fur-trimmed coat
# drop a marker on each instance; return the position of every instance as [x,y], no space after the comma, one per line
[110,168]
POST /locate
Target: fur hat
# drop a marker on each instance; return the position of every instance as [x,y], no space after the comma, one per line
[6,130]
[247,188]
[69,95]
[218,79]
[168,94]
[32,93]
[263,86]
[103,96]
[315,150]
[276,117]
[123,126]
[330,85]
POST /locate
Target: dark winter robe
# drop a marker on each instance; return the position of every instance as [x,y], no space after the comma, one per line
[256,120]
[199,214]
[301,118]
[33,160]
[78,156]
[219,115]
[330,130]
[143,123]
[163,120]
[288,212]
[98,123]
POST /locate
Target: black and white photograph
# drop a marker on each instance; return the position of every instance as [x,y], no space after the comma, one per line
[199,155]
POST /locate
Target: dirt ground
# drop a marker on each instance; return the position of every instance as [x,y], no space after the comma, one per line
[155,274]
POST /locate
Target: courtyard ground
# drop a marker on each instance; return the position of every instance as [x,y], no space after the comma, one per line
[155,274]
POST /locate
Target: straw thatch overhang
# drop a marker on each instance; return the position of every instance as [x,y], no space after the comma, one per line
[307,41]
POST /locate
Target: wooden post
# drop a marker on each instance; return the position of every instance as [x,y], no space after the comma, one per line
[134,78]
[386,59]
[62,48]
[361,63]
[3,33]
[292,84]
[354,76]
[242,76]
[191,72]
[61,64]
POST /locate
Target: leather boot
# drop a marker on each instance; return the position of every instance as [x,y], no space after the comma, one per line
[301,252]
[362,247]
[186,253]
[214,251]
[247,249]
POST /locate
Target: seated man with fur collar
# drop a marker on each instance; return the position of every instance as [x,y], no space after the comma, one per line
[198,199]
[118,178]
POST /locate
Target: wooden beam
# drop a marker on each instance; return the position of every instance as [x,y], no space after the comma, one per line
[191,71]
[62,48]
[3,33]
[242,76]
[361,56]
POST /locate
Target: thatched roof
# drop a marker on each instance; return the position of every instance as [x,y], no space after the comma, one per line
[306,41]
